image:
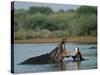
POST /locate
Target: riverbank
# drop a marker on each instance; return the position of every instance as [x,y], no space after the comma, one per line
[77,39]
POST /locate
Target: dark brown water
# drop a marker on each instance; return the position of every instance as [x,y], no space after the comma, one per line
[25,51]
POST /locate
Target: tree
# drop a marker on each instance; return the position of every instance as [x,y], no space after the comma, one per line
[44,10]
[87,9]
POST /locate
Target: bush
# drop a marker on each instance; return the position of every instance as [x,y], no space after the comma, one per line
[41,24]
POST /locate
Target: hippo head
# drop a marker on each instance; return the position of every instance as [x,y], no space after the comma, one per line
[76,50]
[62,49]
[77,54]
[63,52]
[59,52]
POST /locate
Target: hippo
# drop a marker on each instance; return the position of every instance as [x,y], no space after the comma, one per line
[76,54]
[56,55]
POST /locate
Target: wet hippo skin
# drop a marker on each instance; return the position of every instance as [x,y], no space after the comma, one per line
[42,59]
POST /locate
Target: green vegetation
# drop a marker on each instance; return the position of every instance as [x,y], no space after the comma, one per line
[43,22]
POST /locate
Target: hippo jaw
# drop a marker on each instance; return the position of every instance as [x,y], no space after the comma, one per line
[58,54]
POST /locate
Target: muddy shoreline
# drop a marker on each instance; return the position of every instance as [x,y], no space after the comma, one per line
[88,39]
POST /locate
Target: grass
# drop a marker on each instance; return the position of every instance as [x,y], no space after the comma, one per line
[75,39]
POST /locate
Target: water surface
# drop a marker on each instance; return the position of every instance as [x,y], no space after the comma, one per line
[25,51]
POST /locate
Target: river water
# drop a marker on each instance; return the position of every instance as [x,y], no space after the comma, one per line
[25,51]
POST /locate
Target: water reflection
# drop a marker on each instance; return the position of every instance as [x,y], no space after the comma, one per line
[74,65]
[62,66]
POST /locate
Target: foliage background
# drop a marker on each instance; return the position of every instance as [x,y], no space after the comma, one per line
[43,22]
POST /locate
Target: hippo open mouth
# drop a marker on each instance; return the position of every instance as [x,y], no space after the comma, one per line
[55,56]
